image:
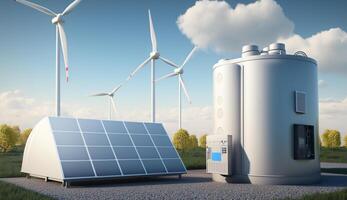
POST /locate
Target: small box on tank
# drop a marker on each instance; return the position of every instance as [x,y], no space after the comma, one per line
[218,154]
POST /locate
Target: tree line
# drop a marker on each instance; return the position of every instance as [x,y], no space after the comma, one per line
[183,141]
[332,139]
[10,136]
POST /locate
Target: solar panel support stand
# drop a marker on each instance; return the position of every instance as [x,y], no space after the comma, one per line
[66,184]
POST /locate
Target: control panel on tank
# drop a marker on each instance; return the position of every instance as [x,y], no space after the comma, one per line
[218,154]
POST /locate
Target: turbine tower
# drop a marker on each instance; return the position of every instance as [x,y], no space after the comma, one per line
[179,73]
[60,33]
[153,56]
[110,95]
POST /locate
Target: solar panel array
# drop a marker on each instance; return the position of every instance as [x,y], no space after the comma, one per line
[102,148]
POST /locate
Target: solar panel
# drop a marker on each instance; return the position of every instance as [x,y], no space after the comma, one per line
[103,148]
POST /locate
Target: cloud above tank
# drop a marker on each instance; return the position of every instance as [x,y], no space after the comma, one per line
[218,26]
[328,47]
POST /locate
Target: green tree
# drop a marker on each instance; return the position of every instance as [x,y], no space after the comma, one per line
[335,138]
[24,135]
[331,138]
[202,141]
[325,139]
[193,140]
[181,139]
[345,141]
[8,137]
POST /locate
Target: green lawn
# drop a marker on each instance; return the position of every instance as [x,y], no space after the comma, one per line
[11,192]
[11,163]
[337,155]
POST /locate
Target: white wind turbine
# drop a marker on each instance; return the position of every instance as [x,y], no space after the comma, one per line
[57,20]
[154,55]
[179,73]
[110,95]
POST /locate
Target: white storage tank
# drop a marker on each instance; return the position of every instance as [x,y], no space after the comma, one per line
[268,102]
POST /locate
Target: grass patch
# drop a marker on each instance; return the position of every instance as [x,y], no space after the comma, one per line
[194,158]
[334,170]
[340,195]
[11,163]
[9,191]
[337,155]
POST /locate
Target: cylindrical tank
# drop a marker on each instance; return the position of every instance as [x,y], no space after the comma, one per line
[227,108]
[260,110]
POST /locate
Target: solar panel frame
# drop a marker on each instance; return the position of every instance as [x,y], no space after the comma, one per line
[147,162]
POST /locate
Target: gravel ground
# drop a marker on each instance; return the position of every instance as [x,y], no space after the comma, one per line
[194,185]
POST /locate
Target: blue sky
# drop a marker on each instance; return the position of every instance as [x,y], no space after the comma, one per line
[108,39]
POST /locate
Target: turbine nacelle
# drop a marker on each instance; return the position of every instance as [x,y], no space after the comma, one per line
[154,55]
[178,71]
[57,19]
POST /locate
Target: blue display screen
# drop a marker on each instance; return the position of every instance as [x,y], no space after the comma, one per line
[216,156]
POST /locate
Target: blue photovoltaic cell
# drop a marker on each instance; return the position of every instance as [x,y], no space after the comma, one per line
[120,140]
[135,128]
[90,125]
[167,152]
[64,124]
[72,153]
[131,167]
[161,140]
[77,169]
[114,127]
[96,139]
[68,138]
[154,128]
[125,153]
[142,140]
[106,168]
[101,153]
[147,152]
[113,148]
[174,165]
[154,166]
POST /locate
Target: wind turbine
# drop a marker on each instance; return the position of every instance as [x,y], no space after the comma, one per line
[110,95]
[153,56]
[58,22]
[179,73]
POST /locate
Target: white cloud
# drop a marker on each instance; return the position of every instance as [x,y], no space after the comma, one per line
[18,109]
[328,47]
[333,115]
[322,83]
[216,25]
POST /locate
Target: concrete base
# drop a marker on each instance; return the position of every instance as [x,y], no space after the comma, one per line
[269,180]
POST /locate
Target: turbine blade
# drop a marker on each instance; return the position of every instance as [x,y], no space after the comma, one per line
[99,94]
[38,7]
[167,61]
[153,36]
[116,89]
[184,89]
[63,43]
[166,76]
[138,68]
[70,7]
[189,56]
[113,104]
